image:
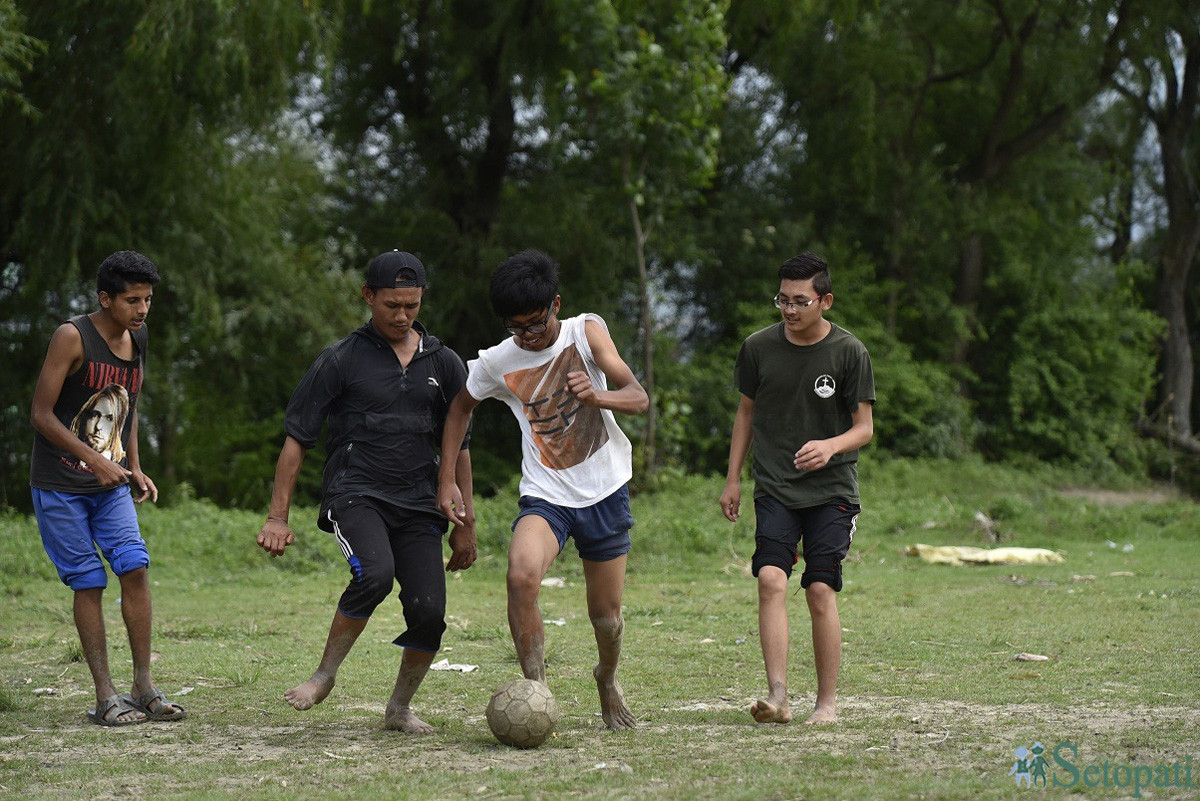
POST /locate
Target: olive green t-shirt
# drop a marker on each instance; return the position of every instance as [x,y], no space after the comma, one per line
[802,393]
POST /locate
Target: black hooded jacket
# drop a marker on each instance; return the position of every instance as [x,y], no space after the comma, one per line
[385,420]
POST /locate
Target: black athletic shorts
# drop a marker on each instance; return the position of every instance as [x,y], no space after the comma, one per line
[385,544]
[826,532]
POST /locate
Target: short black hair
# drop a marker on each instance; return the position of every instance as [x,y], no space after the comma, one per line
[123,268]
[524,283]
[808,265]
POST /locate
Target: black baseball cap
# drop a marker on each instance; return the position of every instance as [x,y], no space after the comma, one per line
[395,268]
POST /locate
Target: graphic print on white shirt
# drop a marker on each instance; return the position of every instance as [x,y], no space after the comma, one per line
[572,454]
[565,430]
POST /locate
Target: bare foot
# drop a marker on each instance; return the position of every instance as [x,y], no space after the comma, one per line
[764,710]
[310,693]
[822,715]
[613,709]
[404,720]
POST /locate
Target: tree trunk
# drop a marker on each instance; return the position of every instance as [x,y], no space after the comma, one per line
[893,273]
[1126,157]
[968,290]
[649,443]
[640,235]
[1175,123]
[1178,367]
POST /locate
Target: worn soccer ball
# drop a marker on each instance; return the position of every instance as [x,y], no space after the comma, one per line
[522,713]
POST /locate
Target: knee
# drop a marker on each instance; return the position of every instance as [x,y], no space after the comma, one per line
[821,597]
[372,584]
[89,595]
[420,610]
[424,636]
[522,582]
[772,583]
[426,621]
[134,580]
[826,573]
[770,555]
[84,580]
[609,627]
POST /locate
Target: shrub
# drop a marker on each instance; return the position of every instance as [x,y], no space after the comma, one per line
[1078,380]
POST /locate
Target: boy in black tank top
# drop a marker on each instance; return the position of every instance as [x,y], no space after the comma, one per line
[85,472]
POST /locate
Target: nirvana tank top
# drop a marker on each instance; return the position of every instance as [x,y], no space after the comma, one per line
[97,403]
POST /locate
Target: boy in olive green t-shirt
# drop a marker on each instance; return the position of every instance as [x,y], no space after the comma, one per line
[807,396]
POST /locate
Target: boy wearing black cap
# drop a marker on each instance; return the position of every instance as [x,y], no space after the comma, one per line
[384,391]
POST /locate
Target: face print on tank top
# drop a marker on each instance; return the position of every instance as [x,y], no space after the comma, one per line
[565,431]
[101,422]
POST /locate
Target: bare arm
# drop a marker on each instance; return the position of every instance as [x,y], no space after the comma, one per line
[739,446]
[276,535]
[63,357]
[465,480]
[462,538]
[815,454]
[140,480]
[450,495]
[629,397]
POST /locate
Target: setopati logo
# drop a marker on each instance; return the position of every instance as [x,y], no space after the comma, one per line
[1063,768]
[1030,766]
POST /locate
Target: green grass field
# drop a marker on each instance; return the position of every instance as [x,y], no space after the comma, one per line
[932,704]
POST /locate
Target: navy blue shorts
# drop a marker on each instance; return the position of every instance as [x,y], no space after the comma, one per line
[826,532]
[600,531]
[74,524]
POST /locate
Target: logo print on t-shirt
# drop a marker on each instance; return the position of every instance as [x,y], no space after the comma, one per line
[825,386]
[565,430]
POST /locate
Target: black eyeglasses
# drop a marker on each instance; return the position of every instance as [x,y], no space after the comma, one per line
[783,302]
[533,328]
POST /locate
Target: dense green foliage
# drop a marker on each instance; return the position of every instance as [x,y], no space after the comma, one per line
[1006,192]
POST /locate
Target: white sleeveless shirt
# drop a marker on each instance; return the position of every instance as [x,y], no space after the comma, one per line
[571,454]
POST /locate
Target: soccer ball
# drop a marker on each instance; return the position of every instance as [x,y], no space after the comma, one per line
[522,713]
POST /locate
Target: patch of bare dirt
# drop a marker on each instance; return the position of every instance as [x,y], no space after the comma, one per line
[906,726]
[948,736]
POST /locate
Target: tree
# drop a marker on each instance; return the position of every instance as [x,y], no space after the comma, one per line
[17,51]
[937,144]
[436,108]
[136,114]
[1161,78]
[647,113]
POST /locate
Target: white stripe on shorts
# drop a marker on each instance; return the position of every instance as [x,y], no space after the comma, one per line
[347,552]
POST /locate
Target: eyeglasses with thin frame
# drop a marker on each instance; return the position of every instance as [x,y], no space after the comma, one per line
[782,302]
[533,328]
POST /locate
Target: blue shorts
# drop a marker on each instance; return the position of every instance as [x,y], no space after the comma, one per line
[600,531]
[73,524]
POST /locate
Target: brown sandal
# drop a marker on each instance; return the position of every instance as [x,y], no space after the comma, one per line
[122,704]
[156,706]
